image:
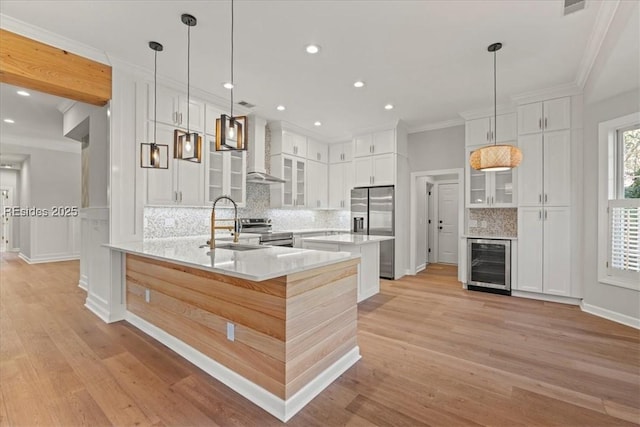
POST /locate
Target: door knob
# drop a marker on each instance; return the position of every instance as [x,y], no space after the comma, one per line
[440,227]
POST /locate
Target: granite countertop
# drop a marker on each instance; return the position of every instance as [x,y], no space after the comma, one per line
[480,236]
[265,263]
[347,238]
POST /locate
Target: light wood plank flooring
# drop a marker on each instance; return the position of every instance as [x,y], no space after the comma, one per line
[433,354]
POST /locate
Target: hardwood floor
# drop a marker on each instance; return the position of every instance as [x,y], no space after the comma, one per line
[433,354]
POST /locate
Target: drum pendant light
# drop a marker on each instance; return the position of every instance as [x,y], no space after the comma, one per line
[496,157]
[188,146]
[154,155]
[231,131]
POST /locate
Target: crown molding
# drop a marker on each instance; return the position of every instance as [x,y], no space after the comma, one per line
[379,127]
[21,142]
[481,113]
[567,89]
[436,125]
[44,36]
[284,125]
[600,29]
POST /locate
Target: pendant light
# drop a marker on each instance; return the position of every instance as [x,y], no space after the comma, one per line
[154,155]
[188,146]
[231,131]
[496,157]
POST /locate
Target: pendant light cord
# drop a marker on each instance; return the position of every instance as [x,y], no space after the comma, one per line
[155,95]
[188,74]
[495,101]
[232,60]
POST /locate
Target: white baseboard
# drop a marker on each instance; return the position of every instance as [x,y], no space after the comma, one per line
[82,284]
[546,297]
[279,408]
[610,315]
[51,258]
[98,307]
[421,267]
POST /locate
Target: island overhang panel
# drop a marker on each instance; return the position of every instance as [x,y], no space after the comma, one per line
[290,336]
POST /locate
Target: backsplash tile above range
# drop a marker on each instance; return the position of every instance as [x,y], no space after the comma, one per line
[500,222]
[162,222]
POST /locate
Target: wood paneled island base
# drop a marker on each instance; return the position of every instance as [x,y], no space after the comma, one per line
[278,342]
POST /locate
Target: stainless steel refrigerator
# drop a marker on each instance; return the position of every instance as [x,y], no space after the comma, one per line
[372,213]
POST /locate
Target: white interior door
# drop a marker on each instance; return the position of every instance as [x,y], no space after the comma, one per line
[448,223]
[4,221]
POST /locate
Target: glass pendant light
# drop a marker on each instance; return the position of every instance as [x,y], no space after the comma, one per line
[496,157]
[188,145]
[154,155]
[231,131]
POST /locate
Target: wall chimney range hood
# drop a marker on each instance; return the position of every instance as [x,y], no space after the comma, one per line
[256,171]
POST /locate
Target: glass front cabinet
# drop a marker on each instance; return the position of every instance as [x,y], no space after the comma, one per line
[225,173]
[489,189]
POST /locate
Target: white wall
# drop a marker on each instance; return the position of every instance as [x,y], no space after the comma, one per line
[603,78]
[422,223]
[48,179]
[437,149]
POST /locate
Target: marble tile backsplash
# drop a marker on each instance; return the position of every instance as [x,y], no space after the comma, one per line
[161,222]
[500,222]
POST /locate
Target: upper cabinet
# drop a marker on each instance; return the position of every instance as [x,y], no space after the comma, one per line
[489,130]
[383,142]
[317,151]
[489,189]
[547,116]
[287,142]
[172,109]
[292,193]
[225,175]
[317,192]
[341,152]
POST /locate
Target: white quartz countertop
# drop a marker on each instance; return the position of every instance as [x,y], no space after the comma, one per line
[347,238]
[265,263]
[311,230]
[480,236]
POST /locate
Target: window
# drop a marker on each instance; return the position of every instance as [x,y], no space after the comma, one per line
[620,218]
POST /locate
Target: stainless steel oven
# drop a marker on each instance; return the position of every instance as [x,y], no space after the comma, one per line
[489,265]
[262,226]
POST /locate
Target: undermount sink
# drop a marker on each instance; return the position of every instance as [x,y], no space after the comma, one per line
[239,247]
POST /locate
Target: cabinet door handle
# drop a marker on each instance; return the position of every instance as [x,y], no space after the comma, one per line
[181,197]
[545,122]
[539,198]
[487,201]
[539,123]
[487,135]
[545,197]
[180,118]
[539,215]
[493,201]
[545,214]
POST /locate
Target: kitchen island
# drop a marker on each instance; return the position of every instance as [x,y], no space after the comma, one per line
[275,324]
[368,247]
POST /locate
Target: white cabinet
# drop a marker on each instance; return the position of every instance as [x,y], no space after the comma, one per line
[317,193]
[293,192]
[182,183]
[172,109]
[489,189]
[340,185]
[341,152]
[286,142]
[225,175]
[317,151]
[544,250]
[547,116]
[375,143]
[545,171]
[484,131]
[374,170]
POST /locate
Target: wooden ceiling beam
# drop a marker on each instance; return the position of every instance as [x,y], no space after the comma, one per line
[33,65]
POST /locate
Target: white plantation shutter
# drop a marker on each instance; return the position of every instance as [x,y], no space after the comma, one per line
[624,241]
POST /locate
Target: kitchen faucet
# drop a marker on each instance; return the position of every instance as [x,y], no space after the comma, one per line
[236,224]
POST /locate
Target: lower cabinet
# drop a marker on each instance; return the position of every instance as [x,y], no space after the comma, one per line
[544,259]
[368,269]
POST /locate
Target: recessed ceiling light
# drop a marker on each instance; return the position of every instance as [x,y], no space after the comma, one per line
[312,48]
[23,93]
[9,121]
[317,124]
[388,107]
[280,108]
[228,85]
[358,84]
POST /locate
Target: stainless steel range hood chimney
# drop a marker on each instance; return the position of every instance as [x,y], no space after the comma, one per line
[256,171]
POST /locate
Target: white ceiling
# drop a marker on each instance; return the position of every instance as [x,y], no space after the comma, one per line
[35,116]
[428,58]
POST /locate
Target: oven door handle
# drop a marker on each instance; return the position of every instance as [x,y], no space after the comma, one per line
[281,242]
